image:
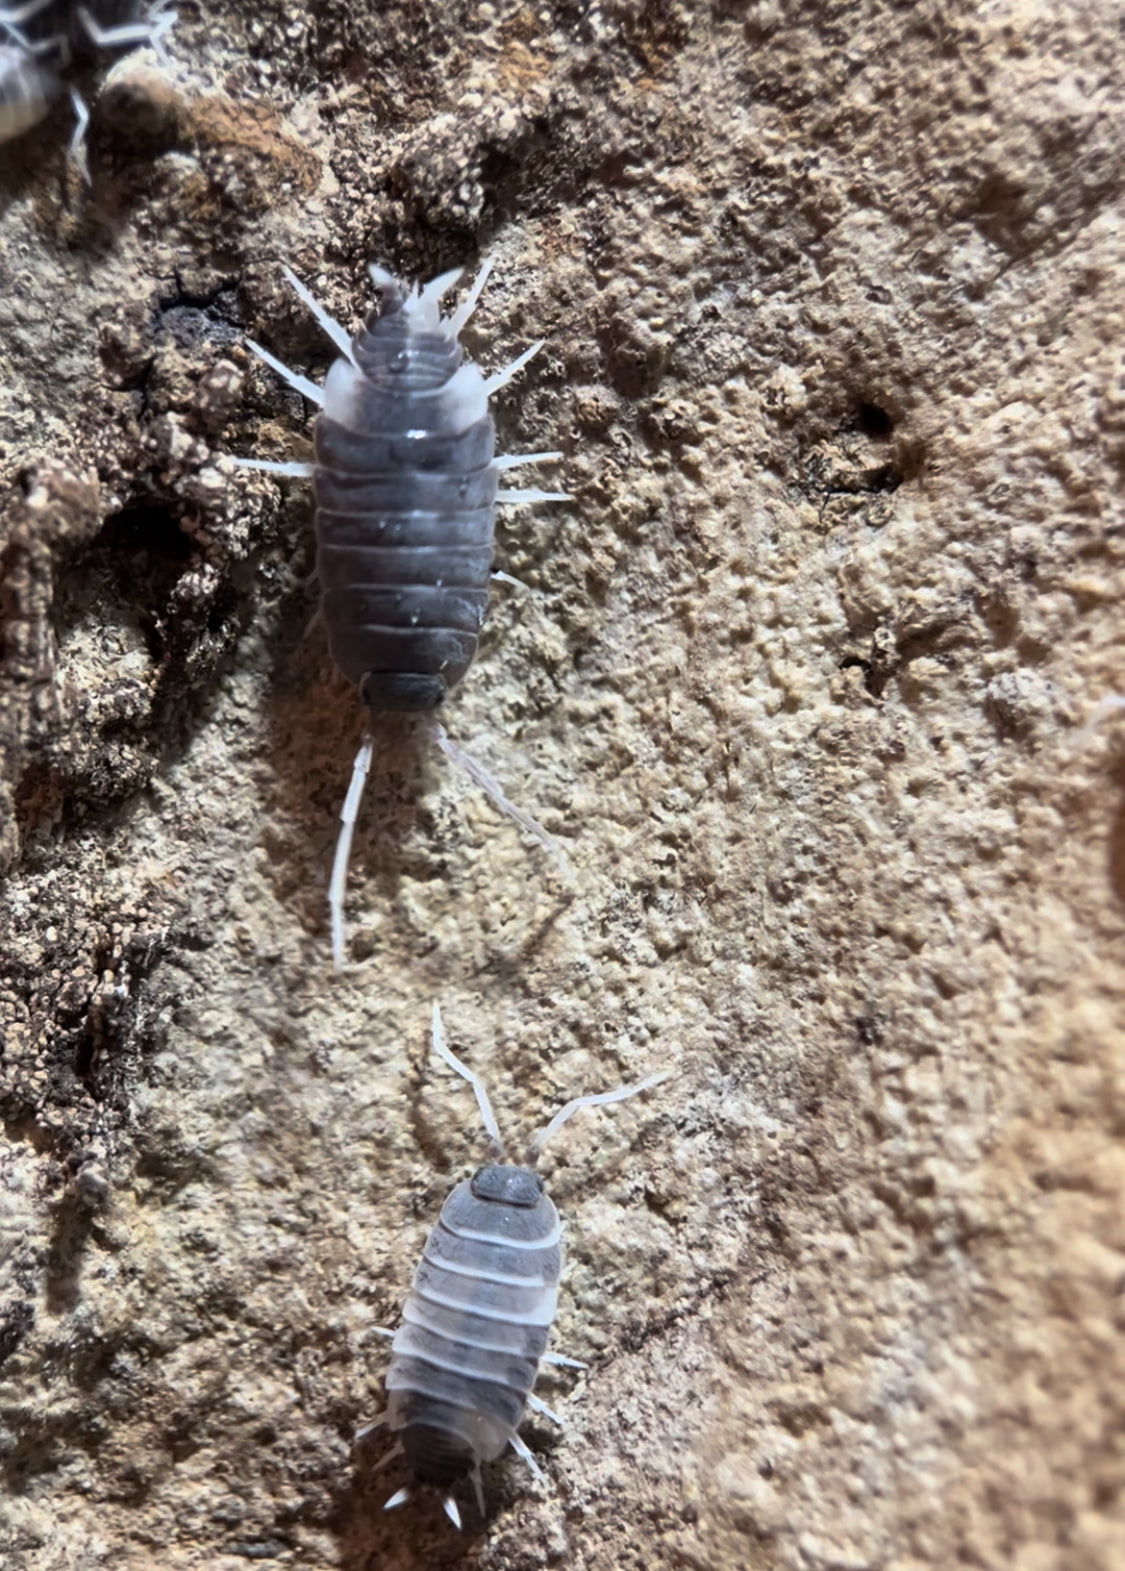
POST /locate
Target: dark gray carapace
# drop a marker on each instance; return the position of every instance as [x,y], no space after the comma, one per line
[476,1322]
[406,487]
[40,39]
[405,506]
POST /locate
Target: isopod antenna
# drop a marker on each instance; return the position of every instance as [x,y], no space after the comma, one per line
[596,1099]
[488,1117]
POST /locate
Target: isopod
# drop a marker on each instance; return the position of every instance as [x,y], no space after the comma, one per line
[406,487]
[44,37]
[477,1319]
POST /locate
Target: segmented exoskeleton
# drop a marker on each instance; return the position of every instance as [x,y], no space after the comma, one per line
[405,480]
[43,37]
[476,1322]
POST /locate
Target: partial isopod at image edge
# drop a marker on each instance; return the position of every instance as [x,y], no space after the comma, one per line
[406,484]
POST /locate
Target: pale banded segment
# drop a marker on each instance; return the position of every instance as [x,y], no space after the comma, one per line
[475,1326]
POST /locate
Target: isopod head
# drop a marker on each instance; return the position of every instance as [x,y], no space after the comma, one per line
[511,1185]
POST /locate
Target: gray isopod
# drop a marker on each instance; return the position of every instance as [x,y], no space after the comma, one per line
[476,1322]
[405,481]
[43,37]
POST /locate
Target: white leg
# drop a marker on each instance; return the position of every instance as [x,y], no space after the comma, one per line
[371,1426]
[16,15]
[77,147]
[531,494]
[430,294]
[465,310]
[514,460]
[151,31]
[339,335]
[295,470]
[563,1363]
[449,1506]
[382,1331]
[537,1406]
[489,784]
[506,578]
[388,1457]
[308,389]
[525,1455]
[397,1499]
[478,1489]
[499,379]
[348,814]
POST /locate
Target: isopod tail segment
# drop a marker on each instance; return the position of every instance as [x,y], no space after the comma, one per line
[475,1325]
[404,566]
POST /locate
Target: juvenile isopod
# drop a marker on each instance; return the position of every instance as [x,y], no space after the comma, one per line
[476,1321]
[44,37]
[405,480]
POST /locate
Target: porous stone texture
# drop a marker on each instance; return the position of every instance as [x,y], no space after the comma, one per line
[832,301]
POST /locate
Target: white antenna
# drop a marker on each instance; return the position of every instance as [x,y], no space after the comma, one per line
[486,1113]
[597,1099]
[339,880]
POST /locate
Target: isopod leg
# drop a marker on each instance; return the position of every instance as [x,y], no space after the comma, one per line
[478,1488]
[561,1361]
[77,146]
[268,466]
[499,379]
[531,494]
[348,814]
[449,1506]
[302,384]
[538,1406]
[14,17]
[400,1497]
[371,1426]
[339,335]
[514,460]
[525,1455]
[150,31]
[388,1457]
[430,294]
[465,310]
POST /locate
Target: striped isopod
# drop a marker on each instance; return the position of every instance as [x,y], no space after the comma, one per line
[406,486]
[476,1322]
[45,36]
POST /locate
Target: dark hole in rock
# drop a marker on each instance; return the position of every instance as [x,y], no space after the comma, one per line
[874,422]
[124,577]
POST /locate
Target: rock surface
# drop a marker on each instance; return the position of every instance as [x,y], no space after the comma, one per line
[832,297]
